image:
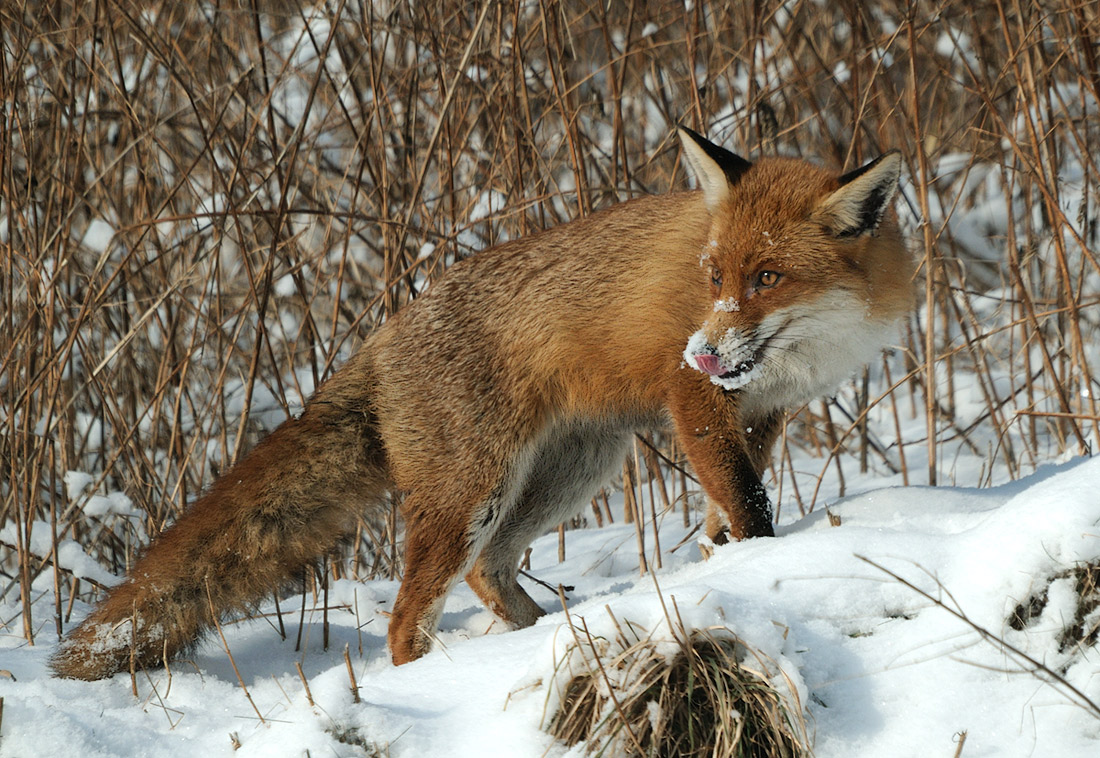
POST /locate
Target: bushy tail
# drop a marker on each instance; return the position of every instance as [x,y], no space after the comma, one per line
[287,502]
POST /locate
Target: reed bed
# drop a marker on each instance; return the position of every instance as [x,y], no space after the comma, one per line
[204,207]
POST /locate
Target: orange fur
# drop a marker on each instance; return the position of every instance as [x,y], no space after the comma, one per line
[503,398]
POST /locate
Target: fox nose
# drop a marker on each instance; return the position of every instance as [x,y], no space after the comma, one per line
[709,363]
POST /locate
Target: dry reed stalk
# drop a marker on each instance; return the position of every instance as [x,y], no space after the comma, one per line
[354,686]
[305,683]
[228,652]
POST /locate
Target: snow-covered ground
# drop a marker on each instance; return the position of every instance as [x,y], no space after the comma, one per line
[880,668]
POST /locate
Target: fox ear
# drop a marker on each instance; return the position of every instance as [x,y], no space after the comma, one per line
[864,195]
[715,168]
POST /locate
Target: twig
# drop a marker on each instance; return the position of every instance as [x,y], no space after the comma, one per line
[133,651]
[305,683]
[960,740]
[225,644]
[351,675]
[553,588]
[1036,666]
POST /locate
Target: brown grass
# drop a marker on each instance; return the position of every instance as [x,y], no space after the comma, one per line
[1079,631]
[713,697]
[199,221]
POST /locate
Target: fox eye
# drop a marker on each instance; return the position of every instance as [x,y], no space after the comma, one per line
[767,279]
[716,277]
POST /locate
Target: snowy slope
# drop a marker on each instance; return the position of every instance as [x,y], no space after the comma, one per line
[881,669]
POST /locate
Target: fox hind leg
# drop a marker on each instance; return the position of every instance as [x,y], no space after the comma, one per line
[484,540]
[572,462]
[493,576]
[440,544]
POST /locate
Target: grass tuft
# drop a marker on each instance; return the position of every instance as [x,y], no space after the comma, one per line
[1080,629]
[712,696]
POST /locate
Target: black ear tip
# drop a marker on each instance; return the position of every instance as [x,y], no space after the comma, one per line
[856,173]
[890,155]
[733,165]
[698,138]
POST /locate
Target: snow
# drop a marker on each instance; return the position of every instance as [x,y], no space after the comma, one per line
[98,236]
[71,556]
[76,483]
[878,666]
[727,305]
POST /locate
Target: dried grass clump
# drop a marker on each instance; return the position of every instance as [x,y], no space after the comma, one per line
[351,736]
[1082,630]
[1085,629]
[711,697]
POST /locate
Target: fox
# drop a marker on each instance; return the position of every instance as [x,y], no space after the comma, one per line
[499,401]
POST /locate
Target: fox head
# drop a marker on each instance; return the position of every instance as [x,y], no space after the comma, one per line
[806,270]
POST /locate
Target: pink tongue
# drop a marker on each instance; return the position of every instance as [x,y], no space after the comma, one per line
[709,364]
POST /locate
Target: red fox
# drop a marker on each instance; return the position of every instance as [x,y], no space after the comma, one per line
[501,400]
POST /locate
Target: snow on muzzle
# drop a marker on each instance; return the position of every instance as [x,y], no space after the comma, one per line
[729,372]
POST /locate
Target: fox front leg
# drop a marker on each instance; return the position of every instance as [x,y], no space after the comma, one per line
[726,459]
[758,439]
[745,511]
